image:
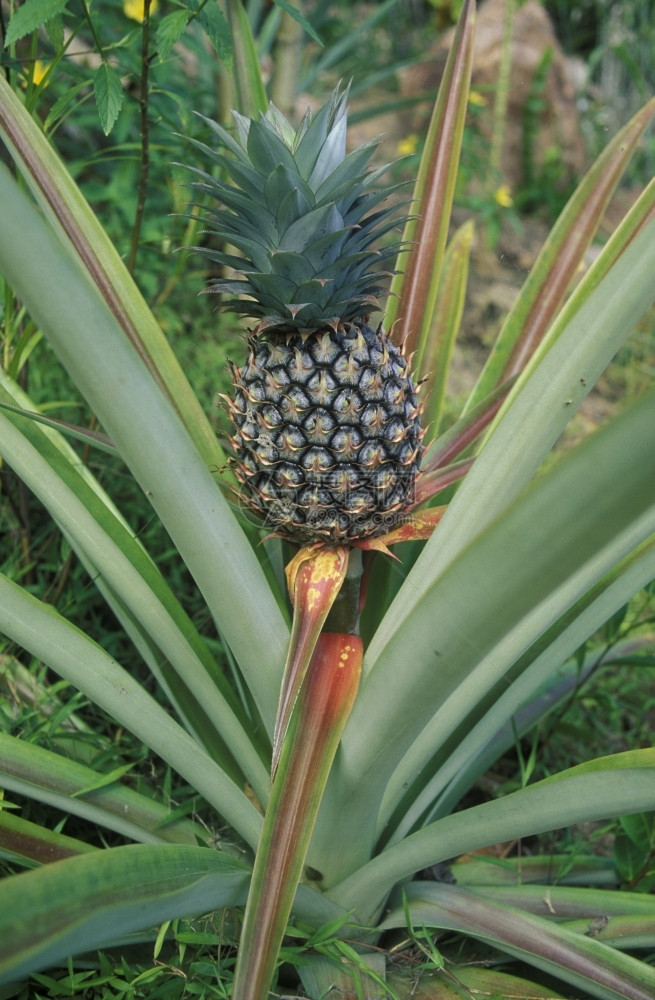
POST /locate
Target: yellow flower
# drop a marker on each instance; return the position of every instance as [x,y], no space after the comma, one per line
[408,145]
[476,98]
[134,9]
[503,196]
[39,70]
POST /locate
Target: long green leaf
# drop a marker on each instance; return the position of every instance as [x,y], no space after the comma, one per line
[151,438]
[41,630]
[114,556]
[81,232]
[612,786]
[36,773]
[414,288]
[469,626]
[570,902]
[538,414]
[556,266]
[579,959]
[32,844]
[97,899]
[248,83]
[488,726]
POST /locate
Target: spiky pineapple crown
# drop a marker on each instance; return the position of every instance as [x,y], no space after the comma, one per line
[300,213]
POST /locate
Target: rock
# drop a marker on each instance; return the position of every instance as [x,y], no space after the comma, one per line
[552,129]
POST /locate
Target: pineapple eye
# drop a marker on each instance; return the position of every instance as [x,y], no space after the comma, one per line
[319,423]
[317,460]
[347,404]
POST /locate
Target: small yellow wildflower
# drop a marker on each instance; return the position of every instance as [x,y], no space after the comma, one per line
[39,70]
[476,98]
[134,9]
[408,145]
[503,196]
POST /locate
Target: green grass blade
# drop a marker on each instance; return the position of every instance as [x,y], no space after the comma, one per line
[91,901]
[579,959]
[70,653]
[161,455]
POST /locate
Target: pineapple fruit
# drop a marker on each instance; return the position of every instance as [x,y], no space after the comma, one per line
[327,436]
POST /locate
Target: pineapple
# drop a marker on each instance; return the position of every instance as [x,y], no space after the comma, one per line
[327,436]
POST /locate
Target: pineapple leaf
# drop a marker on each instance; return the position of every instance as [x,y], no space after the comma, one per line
[345,177]
[292,206]
[283,184]
[225,139]
[267,151]
[331,155]
[317,223]
[316,131]
[295,267]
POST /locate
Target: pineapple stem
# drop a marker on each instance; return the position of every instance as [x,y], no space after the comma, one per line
[344,613]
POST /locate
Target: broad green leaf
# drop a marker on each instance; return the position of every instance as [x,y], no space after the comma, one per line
[640,829]
[169,30]
[578,959]
[70,653]
[103,896]
[488,725]
[31,15]
[109,94]
[217,29]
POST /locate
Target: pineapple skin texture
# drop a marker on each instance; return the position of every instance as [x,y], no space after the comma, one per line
[327,434]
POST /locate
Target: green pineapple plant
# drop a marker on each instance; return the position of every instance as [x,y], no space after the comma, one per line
[327,433]
[337,760]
